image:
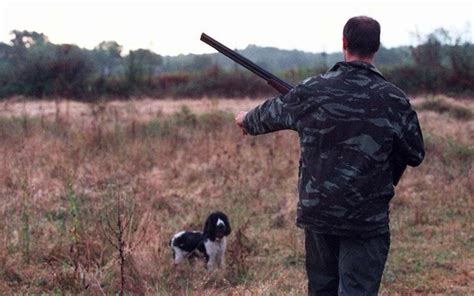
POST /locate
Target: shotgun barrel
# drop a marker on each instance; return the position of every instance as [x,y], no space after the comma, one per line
[281,86]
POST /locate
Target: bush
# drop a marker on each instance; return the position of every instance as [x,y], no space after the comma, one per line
[33,66]
[442,106]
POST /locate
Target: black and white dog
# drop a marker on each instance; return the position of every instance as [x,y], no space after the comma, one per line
[209,244]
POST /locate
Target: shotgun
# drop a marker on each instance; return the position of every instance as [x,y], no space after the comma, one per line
[281,86]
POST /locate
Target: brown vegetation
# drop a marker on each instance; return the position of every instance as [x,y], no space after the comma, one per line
[90,199]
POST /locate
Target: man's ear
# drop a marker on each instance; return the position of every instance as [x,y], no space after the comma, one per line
[344,43]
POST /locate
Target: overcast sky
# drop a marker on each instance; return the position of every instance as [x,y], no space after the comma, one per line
[174,27]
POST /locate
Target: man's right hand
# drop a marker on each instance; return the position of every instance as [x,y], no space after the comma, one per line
[239,120]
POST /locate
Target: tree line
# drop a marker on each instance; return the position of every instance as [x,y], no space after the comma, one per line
[31,65]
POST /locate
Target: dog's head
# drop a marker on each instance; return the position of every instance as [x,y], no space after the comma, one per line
[217,226]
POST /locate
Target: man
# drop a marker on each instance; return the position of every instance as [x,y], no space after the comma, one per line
[356,131]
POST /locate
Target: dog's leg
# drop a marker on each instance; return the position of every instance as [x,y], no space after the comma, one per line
[211,263]
[192,263]
[222,254]
[222,262]
[179,256]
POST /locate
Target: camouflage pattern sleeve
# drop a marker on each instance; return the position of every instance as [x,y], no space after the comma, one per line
[274,114]
[408,144]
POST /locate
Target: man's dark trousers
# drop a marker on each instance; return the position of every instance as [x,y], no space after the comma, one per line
[345,265]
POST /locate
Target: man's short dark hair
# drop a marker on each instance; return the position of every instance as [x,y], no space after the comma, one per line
[363,36]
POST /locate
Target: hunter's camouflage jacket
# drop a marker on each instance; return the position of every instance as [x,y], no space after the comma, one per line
[353,125]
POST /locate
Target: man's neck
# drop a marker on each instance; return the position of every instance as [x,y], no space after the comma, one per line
[354,58]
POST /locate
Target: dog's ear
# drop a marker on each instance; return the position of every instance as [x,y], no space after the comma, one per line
[210,228]
[228,229]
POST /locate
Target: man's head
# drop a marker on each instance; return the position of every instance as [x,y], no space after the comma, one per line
[361,38]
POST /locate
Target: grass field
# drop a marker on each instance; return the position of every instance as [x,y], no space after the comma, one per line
[90,190]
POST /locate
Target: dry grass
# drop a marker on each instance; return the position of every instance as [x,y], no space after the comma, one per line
[64,169]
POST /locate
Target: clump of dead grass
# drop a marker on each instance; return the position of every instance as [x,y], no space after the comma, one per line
[58,177]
